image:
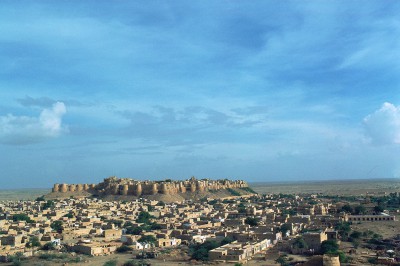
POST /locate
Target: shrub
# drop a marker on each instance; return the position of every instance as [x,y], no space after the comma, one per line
[52,256]
[130,263]
[282,260]
[356,234]
[75,259]
[123,249]
[17,258]
[249,189]
[110,263]
[49,246]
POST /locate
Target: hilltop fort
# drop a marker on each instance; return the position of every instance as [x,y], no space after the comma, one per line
[127,188]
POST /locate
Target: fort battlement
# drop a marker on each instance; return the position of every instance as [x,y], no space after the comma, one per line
[127,186]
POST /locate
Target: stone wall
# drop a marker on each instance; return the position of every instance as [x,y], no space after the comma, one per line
[126,186]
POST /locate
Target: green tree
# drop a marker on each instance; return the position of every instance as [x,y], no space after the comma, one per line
[117,223]
[57,226]
[251,221]
[285,228]
[155,226]
[360,209]
[33,242]
[147,239]
[127,224]
[22,217]
[200,251]
[226,240]
[347,208]
[144,217]
[329,246]
[69,215]
[134,230]
[48,205]
[300,243]
[41,198]
[343,229]
[378,209]
[160,203]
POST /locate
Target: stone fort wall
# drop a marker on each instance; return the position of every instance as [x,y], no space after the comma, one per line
[126,186]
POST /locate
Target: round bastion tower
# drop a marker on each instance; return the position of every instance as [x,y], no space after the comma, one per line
[182,187]
[56,188]
[64,188]
[154,189]
[71,188]
[125,189]
[138,190]
[164,189]
[192,187]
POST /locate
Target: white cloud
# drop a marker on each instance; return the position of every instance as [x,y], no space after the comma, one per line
[383,126]
[21,130]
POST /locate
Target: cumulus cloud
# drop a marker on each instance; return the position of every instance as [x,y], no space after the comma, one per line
[22,130]
[383,126]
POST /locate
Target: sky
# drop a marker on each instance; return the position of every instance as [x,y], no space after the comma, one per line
[253,90]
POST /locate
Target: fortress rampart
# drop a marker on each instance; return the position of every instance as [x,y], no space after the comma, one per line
[127,186]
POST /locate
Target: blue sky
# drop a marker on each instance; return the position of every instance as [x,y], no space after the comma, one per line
[254,90]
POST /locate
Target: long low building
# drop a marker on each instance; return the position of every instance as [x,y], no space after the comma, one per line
[369,218]
[237,251]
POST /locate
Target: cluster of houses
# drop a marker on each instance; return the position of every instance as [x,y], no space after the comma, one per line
[95,227]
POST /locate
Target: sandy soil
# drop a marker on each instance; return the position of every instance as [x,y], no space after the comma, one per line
[340,187]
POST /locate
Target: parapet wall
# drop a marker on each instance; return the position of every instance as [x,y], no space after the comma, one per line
[126,186]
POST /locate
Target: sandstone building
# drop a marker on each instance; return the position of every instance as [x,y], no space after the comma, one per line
[127,186]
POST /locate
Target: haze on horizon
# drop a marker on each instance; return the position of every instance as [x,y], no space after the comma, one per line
[258,90]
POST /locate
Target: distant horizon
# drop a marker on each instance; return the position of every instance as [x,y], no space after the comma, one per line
[304,89]
[249,182]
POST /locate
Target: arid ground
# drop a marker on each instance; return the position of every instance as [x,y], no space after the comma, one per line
[331,187]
